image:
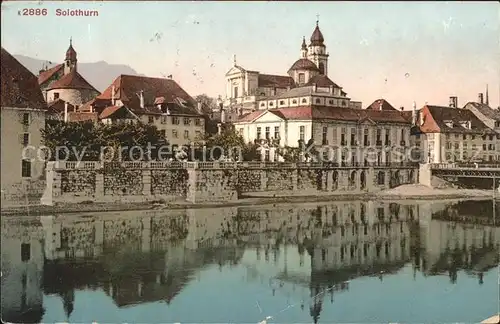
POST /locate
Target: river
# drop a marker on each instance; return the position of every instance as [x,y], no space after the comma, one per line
[336,262]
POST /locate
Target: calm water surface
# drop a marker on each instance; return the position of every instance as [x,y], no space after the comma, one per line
[358,262]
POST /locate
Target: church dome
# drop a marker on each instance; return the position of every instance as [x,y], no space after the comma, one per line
[304,64]
[317,38]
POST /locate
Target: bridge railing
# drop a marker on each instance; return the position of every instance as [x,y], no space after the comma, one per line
[464,166]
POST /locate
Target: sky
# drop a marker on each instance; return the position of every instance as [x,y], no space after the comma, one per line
[400,51]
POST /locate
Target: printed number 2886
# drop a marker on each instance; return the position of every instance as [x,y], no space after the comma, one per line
[34,12]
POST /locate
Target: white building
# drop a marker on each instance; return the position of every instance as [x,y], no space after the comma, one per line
[307,82]
[23,111]
[452,134]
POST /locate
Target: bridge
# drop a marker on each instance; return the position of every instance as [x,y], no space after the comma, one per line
[460,170]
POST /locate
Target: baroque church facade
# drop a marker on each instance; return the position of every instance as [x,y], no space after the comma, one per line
[307,83]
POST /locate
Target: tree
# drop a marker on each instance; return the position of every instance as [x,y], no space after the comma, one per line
[88,140]
[290,154]
[208,104]
[232,144]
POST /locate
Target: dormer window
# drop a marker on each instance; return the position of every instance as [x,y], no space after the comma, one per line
[294,101]
[262,104]
[282,102]
[304,100]
[448,123]
[271,104]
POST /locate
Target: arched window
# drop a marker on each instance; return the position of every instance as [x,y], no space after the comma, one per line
[304,100]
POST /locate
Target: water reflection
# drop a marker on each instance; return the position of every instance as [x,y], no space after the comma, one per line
[310,252]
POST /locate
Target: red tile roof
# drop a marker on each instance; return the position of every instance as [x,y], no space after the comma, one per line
[385,105]
[128,87]
[435,118]
[20,87]
[57,106]
[72,80]
[112,110]
[44,76]
[276,81]
[332,113]
[82,116]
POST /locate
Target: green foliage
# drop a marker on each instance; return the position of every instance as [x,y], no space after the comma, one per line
[232,143]
[88,138]
[290,154]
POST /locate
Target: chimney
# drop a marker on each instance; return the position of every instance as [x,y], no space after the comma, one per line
[198,106]
[380,103]
[65,111]
[141,97]
[480,98]
[402,108]
[421,118]
[315,87]
[331,89]
[113,94]
[453,102]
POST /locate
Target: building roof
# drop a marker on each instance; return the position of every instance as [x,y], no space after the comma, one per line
[485,110]
[20,87]
[322,81]
[82,116]
[381,102]
[317,38]
[304,64]
[314,112]
[57,106]
[275,81]
[129,87]
[46,75]
[435,119]
[72,80]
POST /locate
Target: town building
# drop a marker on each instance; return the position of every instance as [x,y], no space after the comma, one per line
[307,83]
[452,134]
[344,135]
[482,110]
[62,83]
[23,110]
[156,101]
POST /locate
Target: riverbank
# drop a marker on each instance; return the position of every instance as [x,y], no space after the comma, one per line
[405,193]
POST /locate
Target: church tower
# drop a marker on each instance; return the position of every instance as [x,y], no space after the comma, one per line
[317,50]
[303,49]
[70,60]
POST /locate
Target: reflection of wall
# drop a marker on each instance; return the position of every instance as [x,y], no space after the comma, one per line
[22,269]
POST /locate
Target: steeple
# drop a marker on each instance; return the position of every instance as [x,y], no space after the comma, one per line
[303,49]
[317,50]
[70,60]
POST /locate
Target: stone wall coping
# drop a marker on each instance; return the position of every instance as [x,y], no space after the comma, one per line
[159,165]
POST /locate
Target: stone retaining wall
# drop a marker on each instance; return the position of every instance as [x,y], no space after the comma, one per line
[211,182]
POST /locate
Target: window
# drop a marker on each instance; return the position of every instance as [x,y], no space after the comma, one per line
[263,104]
[175,120]
[302,78]
[197,134]
[197,122]
[235,93]
[365,137]
[240,131]
[457,146]
[387,134]
[304,100]
[25,252]
[294,101]
[163,132]
[268,132]
[25,139]
[56,95]
[330,102]
[26,169]
[302,132]
[271,104]
[186,134]
[163,119]
[353,136]
[259,130]
[282,102]
[318,101]
[266,156]
[26,119]
[187,121]
[276,132]
[151,119]
[175,134]
[325,135]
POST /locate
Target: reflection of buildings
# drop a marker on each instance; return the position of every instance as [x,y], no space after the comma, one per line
[311,250]
[462,236]
[22,270]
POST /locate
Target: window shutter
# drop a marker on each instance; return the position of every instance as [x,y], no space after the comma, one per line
[21,138]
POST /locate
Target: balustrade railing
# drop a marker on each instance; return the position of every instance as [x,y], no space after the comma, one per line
[464,166]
